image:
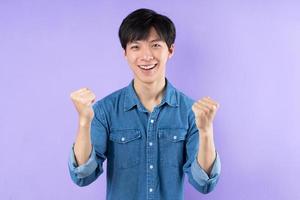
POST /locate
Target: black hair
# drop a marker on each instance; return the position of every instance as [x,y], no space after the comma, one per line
[137,25]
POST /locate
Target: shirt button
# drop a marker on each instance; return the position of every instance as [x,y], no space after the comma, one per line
[151,166]
[152,121]
[150,190]
[123,139]
[150,143]
[175,137]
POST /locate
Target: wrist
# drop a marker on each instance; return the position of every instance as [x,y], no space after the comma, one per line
[206,132]
[83,122]
[206,135]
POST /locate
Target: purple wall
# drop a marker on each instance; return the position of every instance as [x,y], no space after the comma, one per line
[243,54]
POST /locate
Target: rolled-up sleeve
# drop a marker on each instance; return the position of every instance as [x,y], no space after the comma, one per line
[84,170]
[207,182]
[88,172]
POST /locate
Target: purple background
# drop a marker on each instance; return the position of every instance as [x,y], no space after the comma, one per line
[244,54]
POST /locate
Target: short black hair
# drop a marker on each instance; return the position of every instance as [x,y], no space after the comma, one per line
[137,25]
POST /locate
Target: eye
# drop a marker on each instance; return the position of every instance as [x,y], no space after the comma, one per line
[134,47]
[156,45]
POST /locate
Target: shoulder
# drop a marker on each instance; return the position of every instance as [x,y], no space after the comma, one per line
[184,100]
[111,99]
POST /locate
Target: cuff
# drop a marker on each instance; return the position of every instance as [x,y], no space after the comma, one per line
[201,176]
[85,169]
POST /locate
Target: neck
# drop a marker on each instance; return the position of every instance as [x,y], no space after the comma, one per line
[150,92]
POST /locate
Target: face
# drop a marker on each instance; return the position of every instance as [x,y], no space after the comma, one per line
[147,58]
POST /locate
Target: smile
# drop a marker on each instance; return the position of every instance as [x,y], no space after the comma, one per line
[147,67]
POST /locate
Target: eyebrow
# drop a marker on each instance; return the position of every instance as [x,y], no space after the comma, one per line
[155,40]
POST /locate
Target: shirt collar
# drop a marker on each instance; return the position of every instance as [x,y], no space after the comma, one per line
[131,98]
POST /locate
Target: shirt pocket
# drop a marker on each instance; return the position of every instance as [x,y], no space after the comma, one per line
[125,147]
[172,146]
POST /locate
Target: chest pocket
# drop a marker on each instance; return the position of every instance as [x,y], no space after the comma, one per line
[172,146]
[125,148]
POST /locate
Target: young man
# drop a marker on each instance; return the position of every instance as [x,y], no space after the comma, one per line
[149,132]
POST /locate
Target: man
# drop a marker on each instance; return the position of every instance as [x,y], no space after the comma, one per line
[149,132]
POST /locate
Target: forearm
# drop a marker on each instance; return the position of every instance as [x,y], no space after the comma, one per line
[206,152]
[83,146]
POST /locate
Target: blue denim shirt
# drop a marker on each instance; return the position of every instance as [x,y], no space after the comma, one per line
[148,153]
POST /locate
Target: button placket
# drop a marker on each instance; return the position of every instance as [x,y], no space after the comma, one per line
[150,153]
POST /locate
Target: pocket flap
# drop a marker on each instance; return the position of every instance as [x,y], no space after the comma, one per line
[124,136]
[173,135]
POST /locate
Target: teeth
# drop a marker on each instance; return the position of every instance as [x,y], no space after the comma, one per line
[146,66]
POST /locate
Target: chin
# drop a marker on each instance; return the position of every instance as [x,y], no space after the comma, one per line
[149,80]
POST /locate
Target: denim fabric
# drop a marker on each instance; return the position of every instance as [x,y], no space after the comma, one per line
[148,153]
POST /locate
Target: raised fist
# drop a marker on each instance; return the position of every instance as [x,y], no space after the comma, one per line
[83,99]
[205,110]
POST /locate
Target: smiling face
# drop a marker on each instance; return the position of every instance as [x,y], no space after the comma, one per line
[147,58]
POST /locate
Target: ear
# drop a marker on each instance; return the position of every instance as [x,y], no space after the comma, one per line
[171,51]
[125,54]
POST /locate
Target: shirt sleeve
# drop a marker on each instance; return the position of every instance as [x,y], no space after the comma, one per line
[88,172]
[197,177]
[83,170]
[202,178]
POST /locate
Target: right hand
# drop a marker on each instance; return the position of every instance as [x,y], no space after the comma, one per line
[83,99]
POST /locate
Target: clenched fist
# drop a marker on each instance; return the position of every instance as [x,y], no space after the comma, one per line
[83,99]
[205,111]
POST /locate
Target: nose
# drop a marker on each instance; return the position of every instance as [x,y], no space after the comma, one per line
[147,57]
[147,54]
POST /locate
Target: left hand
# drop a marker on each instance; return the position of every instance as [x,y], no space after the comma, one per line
[205,111]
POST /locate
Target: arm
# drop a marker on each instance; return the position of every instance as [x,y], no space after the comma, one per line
[83,145]
[197,176]
[205,111]
[206,151]
[203,165]
[83,99]
[89,150]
